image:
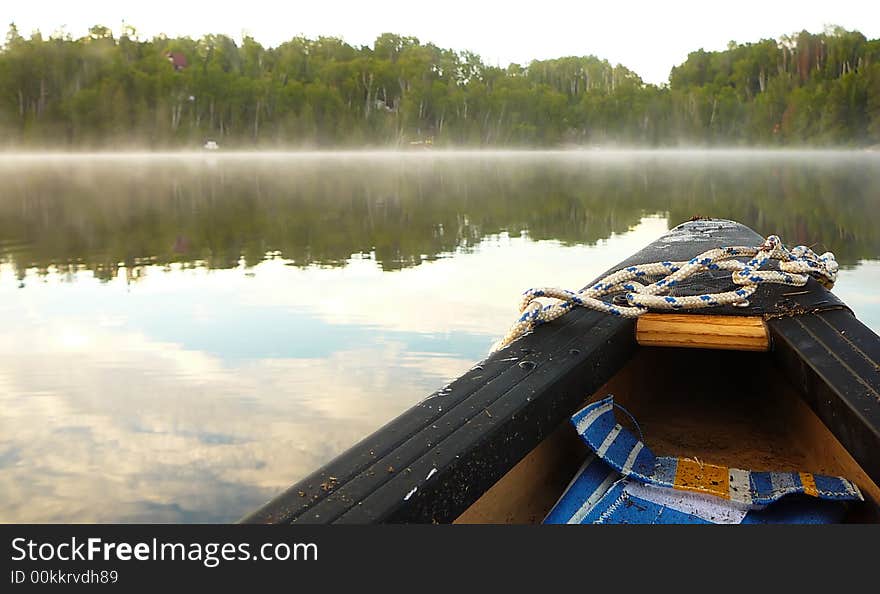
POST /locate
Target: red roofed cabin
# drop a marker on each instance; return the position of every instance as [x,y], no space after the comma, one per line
[177,59]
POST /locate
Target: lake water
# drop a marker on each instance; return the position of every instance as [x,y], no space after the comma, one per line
[187,335]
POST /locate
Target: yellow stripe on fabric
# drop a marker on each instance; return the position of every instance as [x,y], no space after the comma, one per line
[691,475]
[809,484]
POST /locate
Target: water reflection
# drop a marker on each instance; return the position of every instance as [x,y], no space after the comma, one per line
[184,338]
[405,209]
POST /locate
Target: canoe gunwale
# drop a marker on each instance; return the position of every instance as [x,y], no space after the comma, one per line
[842,387]
[427,466]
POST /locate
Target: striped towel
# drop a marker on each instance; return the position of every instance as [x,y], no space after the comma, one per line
[622,481]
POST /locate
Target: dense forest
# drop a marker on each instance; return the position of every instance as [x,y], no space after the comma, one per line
[115,90]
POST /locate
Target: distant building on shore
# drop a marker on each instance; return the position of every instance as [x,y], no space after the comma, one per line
[177,59]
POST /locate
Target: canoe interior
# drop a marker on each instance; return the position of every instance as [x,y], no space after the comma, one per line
[728,408]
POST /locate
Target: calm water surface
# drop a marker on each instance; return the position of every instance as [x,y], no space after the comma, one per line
[185,336]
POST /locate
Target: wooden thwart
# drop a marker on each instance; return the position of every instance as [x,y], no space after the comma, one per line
[734,333]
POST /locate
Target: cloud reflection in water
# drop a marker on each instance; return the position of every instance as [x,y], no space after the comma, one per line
[196,395]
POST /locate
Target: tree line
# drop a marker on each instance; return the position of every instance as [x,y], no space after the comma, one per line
[105,89]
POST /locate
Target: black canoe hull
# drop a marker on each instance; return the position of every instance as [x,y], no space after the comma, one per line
[434,461]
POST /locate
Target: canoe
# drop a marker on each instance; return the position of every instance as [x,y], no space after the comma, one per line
[785,384]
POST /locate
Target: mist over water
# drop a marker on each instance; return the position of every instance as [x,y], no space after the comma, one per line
[187,334]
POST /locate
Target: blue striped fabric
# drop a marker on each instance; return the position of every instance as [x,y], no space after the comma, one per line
[591,482]
[620,507]
[798,510]
[598,427]
[624,482]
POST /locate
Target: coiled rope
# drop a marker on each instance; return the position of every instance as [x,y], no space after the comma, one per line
[644,293]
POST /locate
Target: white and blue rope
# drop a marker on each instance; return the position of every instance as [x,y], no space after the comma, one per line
[644,291]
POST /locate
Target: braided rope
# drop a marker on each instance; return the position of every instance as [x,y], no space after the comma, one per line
[644,291]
